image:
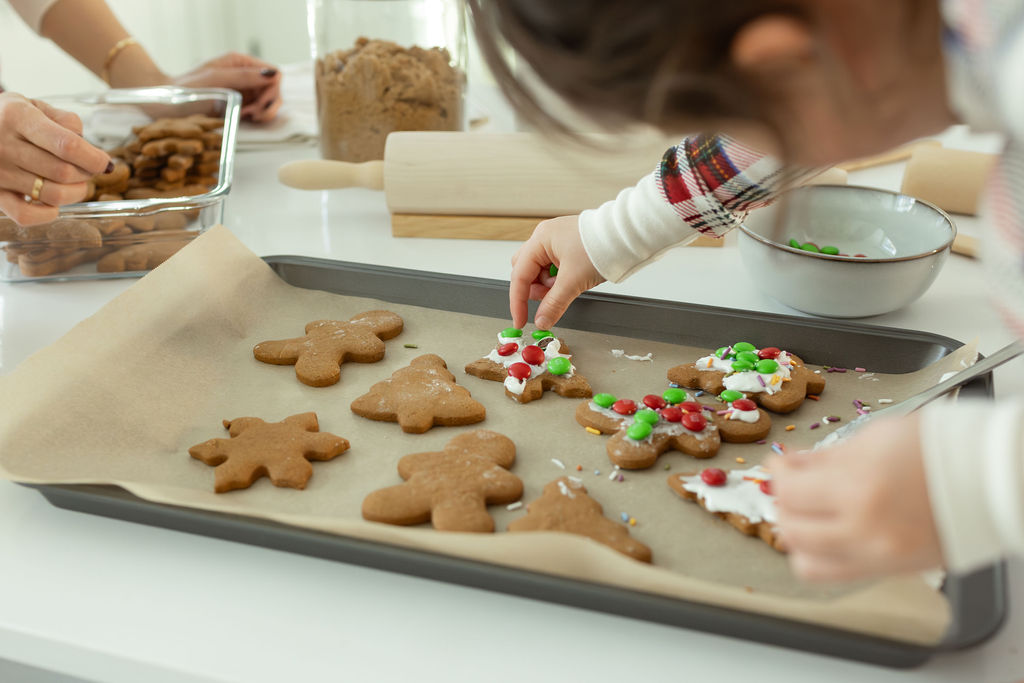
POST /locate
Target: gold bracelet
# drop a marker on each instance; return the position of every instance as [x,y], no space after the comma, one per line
[112,55]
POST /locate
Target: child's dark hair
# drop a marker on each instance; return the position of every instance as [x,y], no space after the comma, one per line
[663,62]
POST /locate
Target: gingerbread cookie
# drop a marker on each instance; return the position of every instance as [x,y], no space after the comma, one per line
[420,396]
[643,432]
[738,419]
[566,506]
[450,488]
[776,380]
[741,497]
[529,367]
[279,450]
[144,256]
[318,355]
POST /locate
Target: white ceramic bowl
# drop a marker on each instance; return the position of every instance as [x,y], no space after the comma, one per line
[904,242]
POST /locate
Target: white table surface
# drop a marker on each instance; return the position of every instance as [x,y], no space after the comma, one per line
[114,601]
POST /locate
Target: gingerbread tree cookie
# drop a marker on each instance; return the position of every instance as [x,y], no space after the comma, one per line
[420,396]
[741,497]
[566,506]
[529,367]
[452,487]
[776,380]
[279,450]
[318,355]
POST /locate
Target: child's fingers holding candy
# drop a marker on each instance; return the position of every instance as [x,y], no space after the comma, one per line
[860,509]
[554,242]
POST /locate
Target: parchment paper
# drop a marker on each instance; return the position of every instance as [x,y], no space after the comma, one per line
[121,398]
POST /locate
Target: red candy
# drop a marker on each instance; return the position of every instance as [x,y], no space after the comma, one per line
[695,422]
[713,476]
[532,354]
[672,414]
[624,406]
[771,352]
[766,487]
[654,402]
[744,404]
[520,371]
[690,407]
[508,349]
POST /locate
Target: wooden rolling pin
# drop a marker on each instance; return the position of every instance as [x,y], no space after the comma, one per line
[479,174]
[487,186]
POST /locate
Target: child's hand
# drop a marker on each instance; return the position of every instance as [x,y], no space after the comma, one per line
[859,509]
[557,242]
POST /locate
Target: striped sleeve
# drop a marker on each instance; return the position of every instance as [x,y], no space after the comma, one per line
[705,185]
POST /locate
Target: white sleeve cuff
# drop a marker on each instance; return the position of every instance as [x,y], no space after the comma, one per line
[32,11]
[974,463]
[628,232]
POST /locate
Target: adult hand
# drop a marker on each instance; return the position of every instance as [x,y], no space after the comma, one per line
[556,241]
[38,141]
[859,509]
[258,82]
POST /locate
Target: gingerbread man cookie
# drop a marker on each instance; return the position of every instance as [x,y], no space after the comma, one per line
[279,450]
[566,506]
[776,380]
[420,396]
[643,432]
[741,497]
[450,488]
[318,355]
[529,367]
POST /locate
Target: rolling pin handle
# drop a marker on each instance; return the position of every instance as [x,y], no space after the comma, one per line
[323,174]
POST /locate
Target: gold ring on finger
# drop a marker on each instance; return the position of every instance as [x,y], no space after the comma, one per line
[37,188]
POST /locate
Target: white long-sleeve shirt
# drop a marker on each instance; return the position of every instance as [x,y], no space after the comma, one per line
[973,451]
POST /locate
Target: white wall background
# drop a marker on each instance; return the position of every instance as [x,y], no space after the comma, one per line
[179,34]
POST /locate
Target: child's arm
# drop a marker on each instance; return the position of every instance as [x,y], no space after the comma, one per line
[905,493]
[704,185]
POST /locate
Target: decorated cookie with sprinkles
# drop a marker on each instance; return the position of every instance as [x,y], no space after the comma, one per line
[738,418]
[741,497]
[774,379]
[450,488]
[529,365]
[566,506]
[642,431]
[419,396]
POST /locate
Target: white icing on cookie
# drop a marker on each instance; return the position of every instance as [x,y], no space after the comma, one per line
[662,426]
[750,416]
[748,381]
[717,364]
[741,494]
[553,350]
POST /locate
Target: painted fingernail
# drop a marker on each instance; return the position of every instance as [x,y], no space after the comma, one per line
[268,72]
[110,167]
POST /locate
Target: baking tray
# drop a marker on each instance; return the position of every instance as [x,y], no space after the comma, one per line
[978,601]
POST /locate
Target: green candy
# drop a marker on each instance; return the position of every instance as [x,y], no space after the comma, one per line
[604,400]
[553,270]
[638,431]
[560,366]
[720,353]
[730,395]
[794,243]
[748,356]
[831,251]
[811,248]
[541,334]
[743,346]
[767,366]
[647,415]
[510,332]
[742,366]
[674,396]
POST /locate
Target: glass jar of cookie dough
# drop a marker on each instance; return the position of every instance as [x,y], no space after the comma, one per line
[385,65]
